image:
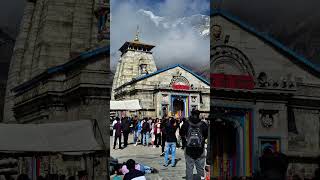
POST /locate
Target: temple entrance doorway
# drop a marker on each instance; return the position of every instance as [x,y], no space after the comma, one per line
[232,143]
[178,107]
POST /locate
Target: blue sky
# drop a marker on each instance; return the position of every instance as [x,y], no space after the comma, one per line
[173,45]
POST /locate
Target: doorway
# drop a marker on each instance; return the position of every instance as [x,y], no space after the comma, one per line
[231,142]
[178,107]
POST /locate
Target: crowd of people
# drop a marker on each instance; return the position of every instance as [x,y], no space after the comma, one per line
[169,133]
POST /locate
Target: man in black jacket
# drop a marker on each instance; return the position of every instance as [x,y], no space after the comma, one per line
[125,130]
[196,132]
[163,134]
[171,141]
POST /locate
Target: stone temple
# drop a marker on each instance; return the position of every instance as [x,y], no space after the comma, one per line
[263,95]
[60,65]
[174,90]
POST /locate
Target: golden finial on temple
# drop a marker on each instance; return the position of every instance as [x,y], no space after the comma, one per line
[137,34]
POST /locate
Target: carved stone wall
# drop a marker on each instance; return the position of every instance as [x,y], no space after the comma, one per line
[51,32]
[306,140]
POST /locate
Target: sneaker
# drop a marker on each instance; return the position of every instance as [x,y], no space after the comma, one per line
[173,165]
[165,165]
[162,154]
[154,146]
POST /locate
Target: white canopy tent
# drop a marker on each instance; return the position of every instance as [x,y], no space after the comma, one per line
[126,105]
[73,136]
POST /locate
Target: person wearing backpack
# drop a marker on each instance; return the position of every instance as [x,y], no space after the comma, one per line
[145,132]
[196,132]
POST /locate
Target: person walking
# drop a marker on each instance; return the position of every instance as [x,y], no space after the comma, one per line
[139,131]
[118,129]
[196,132]
[146,132]
[157,133]
[134,122]
[183,137]
[171,142]
[163,134]
[152,133]
[126,130]
[113,123]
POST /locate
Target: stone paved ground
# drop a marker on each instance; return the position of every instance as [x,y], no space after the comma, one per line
[151,157]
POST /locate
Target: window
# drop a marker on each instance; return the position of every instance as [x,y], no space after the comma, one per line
[143,69]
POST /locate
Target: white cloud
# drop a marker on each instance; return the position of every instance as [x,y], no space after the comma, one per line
[158,26]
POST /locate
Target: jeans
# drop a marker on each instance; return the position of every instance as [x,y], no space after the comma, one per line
[170,146]
[199,163]
[145,169]
[145,138]
[136,136]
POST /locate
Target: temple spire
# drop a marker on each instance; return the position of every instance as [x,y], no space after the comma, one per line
[137,34]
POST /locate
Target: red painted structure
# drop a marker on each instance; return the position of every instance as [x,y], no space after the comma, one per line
[232,81]
[180,87]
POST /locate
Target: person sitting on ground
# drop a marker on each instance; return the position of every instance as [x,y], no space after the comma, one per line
[122,168]
[133,174]
[118,174]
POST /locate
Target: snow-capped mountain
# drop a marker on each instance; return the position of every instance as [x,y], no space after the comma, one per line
[199,23]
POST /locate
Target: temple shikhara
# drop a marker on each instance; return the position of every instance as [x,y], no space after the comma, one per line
[59,74]
[263,95]
[173,91]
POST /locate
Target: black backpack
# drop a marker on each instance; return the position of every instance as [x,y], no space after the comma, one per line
[194,135]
